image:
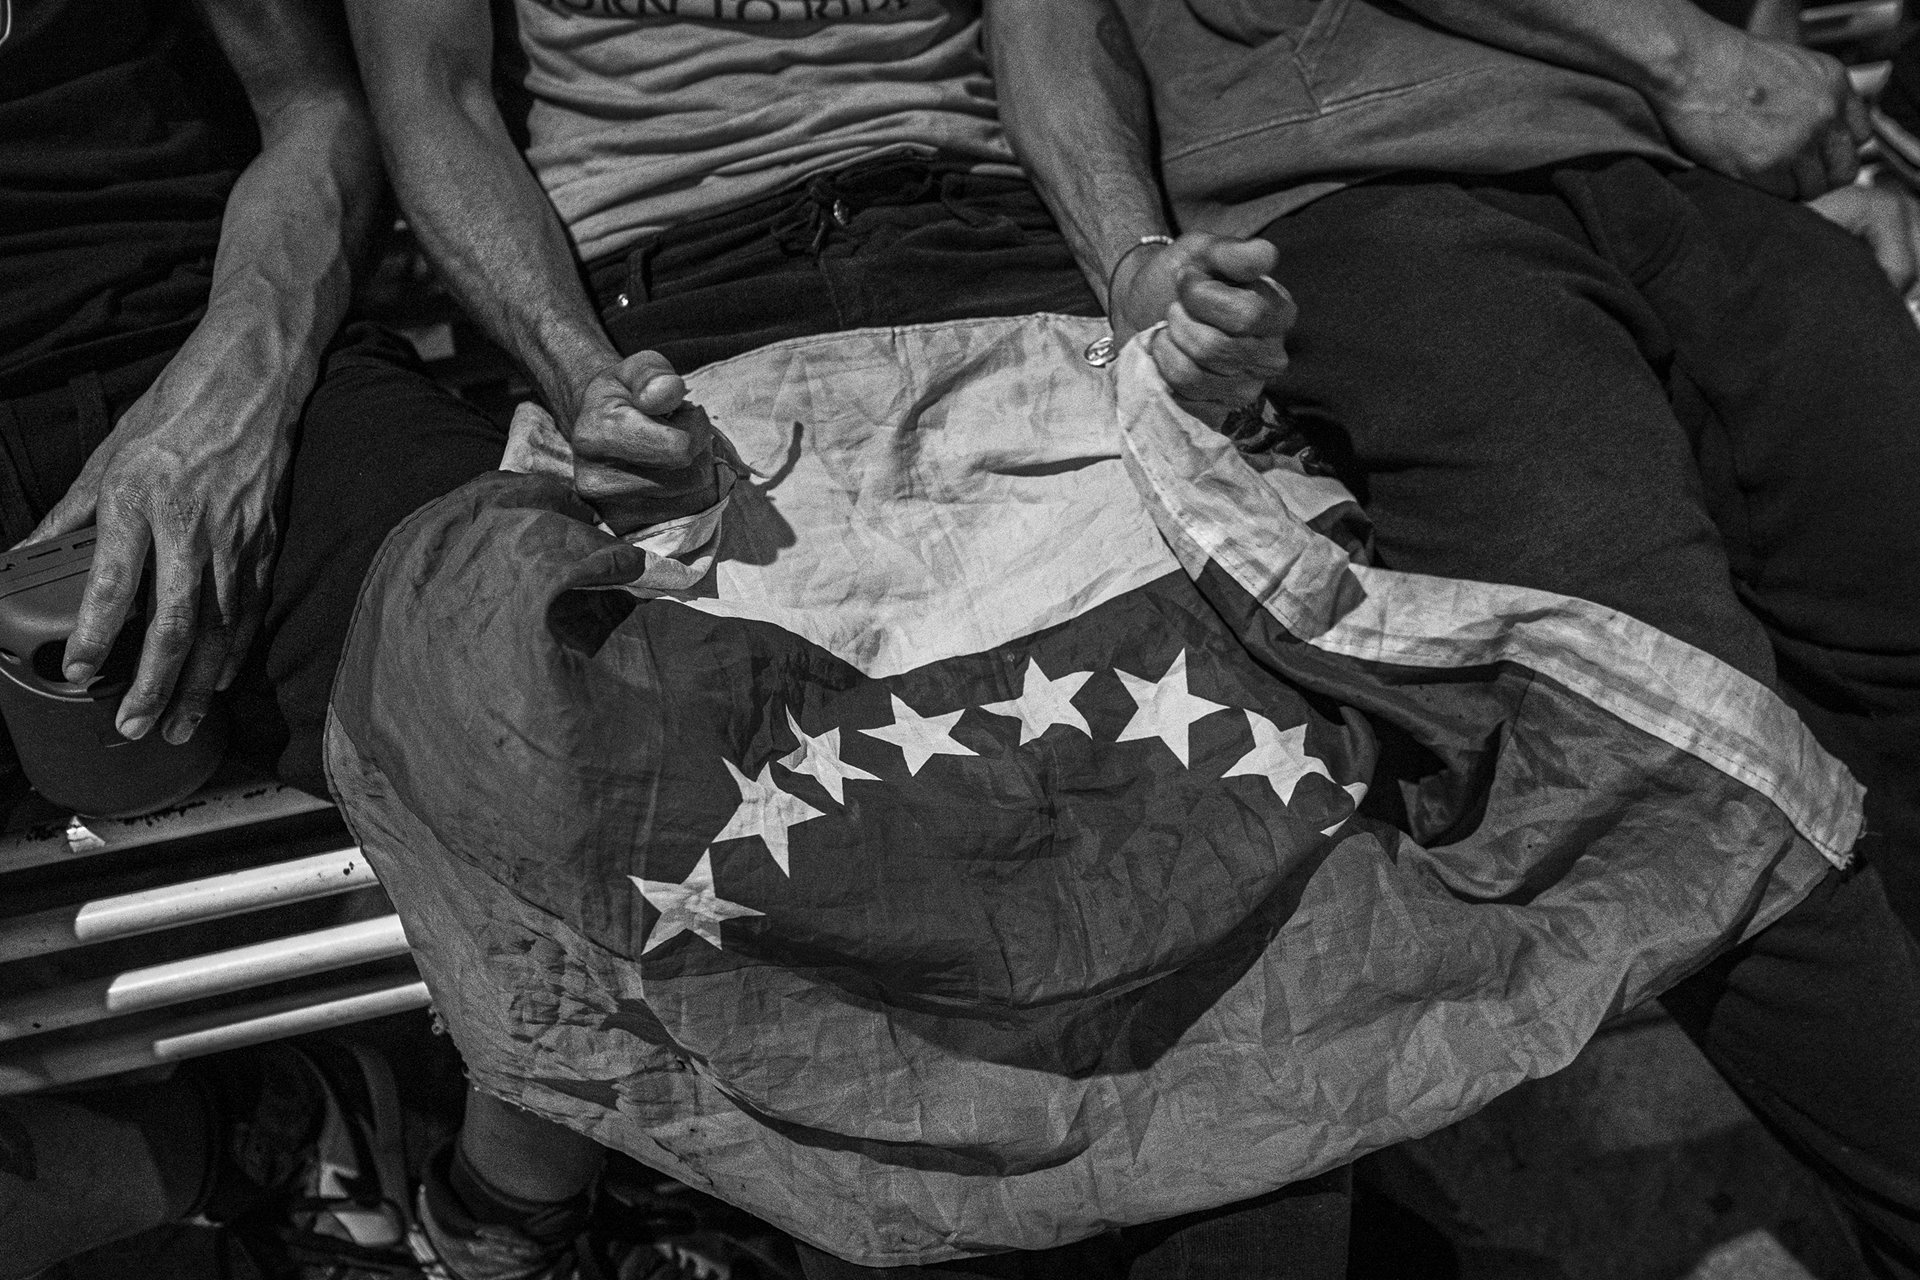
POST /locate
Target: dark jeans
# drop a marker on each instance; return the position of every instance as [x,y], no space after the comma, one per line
[893,241]
[904,241]
[378,438]
[1680,397]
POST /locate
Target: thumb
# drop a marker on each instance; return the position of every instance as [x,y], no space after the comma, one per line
[648,377]
[1240,261]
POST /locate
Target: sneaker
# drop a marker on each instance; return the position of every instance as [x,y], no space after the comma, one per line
[576,1244]
[329,1203]
[448,1244]
[349,1220]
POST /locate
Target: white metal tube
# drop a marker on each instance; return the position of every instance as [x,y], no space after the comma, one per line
[197,977]
[189,902]
[218,806]
[211,1033]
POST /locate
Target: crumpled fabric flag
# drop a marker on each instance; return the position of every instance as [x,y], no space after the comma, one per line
[982,855]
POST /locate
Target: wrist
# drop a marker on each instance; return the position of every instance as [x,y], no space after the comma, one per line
[1674,63]
[569,358]
[1126,267]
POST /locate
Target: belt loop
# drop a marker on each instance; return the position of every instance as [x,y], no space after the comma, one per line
[635,293]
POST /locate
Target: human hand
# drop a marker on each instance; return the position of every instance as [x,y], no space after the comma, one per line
[1887,219]
[1227,321]
[1767,112]
[191,471]
[641,454]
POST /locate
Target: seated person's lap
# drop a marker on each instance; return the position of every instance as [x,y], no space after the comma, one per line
[1616,382]
[378,439]
[913,242]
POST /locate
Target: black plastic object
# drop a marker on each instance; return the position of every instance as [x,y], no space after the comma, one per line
[64,733]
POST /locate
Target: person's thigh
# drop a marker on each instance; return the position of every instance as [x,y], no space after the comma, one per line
[1489,388]
[1807,366]
[378,440]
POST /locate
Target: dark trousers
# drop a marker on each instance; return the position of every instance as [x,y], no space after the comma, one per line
[1677,396]
[904,241]
[377,439]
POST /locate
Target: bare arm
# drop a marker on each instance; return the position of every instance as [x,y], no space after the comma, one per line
[484,220]
[1074,99]
[1761,110]
[194,468]
[478,211]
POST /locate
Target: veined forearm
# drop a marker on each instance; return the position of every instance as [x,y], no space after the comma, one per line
[295,225]
[489,230]
[1648,45]
[1075,104]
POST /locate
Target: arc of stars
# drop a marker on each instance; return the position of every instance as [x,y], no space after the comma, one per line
[819,758]
[1044,702]
[1166,710]
[765,811]
[920,738]
[689,907]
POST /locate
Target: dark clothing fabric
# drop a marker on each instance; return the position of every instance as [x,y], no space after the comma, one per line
[121,134]
[1695,403]
[1296,1233]
[892,241]
[47,436]
[378,438]
[1671,394]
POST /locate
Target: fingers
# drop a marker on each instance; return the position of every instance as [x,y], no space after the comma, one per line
[229,615]
[170,638]
[1893,244]
[193,696]
[1232,331]
[1886,220]
[1191,381]
[1859,120]
[1241,261]
[631,415]
[71,513]
[248,609]
[1260,310]
[1840,154]
[119,554]
[1807,176]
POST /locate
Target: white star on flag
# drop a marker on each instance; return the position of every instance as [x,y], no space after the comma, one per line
[1166,709]
[765,811]
[690,906]
[1044,703]
[1280,756]
[919,737]
[819,758]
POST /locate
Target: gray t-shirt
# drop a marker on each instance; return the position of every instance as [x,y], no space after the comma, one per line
[646,113]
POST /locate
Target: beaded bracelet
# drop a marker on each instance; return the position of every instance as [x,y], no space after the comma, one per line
[1141,243]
